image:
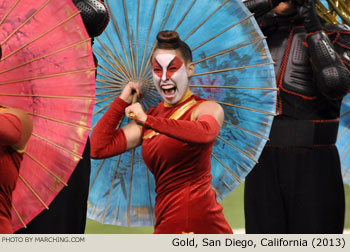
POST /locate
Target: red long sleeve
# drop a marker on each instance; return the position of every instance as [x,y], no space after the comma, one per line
[10,129]
[204,130]
[106,141]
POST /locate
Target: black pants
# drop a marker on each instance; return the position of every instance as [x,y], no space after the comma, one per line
[67,212]
[295,190]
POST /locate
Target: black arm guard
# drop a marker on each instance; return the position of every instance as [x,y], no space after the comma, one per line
[94,14]
[330,74]
[260,7]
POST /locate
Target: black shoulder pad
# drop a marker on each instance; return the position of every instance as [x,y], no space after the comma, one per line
[339,34]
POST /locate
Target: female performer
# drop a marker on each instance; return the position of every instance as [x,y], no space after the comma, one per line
[177,138]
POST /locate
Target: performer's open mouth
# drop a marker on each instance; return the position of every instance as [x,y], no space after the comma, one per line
[168,90]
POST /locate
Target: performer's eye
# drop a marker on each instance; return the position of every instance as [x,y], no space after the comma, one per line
[172,68]
[157,70]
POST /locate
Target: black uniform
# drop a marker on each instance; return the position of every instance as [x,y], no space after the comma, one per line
[297,185]
[67,212]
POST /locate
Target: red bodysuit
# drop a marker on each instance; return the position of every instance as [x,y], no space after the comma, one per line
[185,201]
[10,133]
[178,154]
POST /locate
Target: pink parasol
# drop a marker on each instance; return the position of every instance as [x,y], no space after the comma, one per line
[46,69]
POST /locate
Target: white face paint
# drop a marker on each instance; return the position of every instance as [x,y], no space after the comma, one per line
[170,77]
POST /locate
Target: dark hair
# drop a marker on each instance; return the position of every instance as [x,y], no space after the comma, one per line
[170,40]
[0,52]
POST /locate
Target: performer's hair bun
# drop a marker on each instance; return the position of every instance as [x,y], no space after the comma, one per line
[170,40]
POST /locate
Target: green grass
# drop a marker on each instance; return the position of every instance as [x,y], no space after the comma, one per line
[233,211]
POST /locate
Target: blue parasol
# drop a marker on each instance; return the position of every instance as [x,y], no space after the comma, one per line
[233,67]
[343,139]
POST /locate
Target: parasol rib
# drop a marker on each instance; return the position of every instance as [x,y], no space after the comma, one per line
[130,185]
[231,69]
[153,102]
[227,169]
[110,189]
[229,50]
[168,15]
[217,192]
[42,35]
[215,36]
[51,96]
[246,108]
[345,113]
[112,83]
[108,86]
[102,108]
[45,56]
[195,29]
[115,25]
[236,148]
[107,98]
[107,92]
[248,131]
[130,44]
[344,154]
[59,121]
[9,12]
[114,76]
[119,59]
[19,216]
[118,70]
[26,21]
[344,130]
[48,76]
[97,172]
[58,146]
[153,99]
[154,92]
[184,16]
[153,47]
[146,103]
[148,34]
[33,191]
[234,87]
[137,37]
[45,168]
[149,195]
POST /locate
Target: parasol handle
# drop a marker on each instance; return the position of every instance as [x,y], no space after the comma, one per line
[134,99]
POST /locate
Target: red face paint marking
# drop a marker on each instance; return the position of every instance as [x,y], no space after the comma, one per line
[171,68]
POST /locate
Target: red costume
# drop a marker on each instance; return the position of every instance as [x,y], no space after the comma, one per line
[177,151]
[10,134]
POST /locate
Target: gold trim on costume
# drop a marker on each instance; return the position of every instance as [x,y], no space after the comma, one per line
[176,115]
[150,135]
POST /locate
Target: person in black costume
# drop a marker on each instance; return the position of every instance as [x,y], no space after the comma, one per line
[67,212]
[297,185]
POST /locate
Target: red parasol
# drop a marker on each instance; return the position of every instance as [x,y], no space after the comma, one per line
[46,69]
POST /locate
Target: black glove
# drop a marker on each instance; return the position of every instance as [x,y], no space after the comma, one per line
[308,13]
[260,7]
